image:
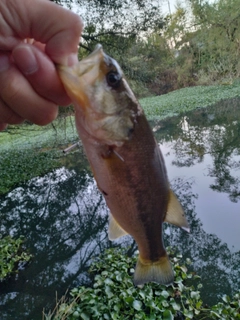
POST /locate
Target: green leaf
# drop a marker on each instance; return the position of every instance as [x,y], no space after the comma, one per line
[195,295]
[167,315]
[188,314]
[175,306]
[165,294]
[137,305]
[109,292]
[225,298]
[84,316]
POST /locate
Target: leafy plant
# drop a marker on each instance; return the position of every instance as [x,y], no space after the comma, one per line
[12,256]
[113,295]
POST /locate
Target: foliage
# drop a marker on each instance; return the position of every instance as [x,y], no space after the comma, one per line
[125,29]
[113,295]
[227,309]
[215,42]
[196,44]
[12,256]
[115,18]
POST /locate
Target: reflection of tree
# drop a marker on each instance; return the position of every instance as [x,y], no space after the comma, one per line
[214,131]
[218,267]
[63,217]
[226,144]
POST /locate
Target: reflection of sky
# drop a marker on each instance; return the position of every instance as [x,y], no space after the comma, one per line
[218,214]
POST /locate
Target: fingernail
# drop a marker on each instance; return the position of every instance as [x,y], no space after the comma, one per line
[25,59]
[4,62]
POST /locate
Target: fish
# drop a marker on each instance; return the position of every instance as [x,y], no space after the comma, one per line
[126,161]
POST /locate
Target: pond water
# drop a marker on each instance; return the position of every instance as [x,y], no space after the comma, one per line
[64,218]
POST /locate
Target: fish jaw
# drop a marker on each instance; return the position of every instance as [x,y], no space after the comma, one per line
[106,111]
[81,75]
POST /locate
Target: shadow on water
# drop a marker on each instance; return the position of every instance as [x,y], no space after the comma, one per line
[64,217]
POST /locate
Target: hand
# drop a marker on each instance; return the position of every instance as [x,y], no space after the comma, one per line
[29,84]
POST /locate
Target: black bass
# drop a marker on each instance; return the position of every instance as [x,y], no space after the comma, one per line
[125,159]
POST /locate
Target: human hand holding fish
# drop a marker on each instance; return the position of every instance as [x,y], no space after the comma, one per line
[29,84]
[126,161]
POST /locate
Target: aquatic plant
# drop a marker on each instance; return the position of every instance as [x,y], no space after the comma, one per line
[12,256]
[18,166]
[187,99]
[28,151]
[113,295]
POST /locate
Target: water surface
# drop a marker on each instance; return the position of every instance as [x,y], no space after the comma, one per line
[64,218]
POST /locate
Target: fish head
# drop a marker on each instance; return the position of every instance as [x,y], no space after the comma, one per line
[105,106]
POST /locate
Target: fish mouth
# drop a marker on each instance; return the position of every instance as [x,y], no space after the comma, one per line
[79,78]
[86,69]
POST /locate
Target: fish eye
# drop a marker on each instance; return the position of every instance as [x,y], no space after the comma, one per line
[113,79]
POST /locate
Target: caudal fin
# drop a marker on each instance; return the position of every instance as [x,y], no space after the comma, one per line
[159,271]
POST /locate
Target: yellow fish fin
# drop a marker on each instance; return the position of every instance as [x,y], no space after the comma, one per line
[175,214]
[159,271]
[114,229]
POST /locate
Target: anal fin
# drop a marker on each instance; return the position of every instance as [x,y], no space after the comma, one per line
[175,214]
[114,229]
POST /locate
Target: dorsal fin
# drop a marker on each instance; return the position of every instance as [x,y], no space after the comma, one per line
[175,214]
[114,229]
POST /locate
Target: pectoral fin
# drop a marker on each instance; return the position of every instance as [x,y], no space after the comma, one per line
[114,229]
[175,214]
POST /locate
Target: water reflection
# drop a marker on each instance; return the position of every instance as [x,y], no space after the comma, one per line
[64,217]
[213,131]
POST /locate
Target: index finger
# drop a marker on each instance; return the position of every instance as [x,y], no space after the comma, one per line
[59,28]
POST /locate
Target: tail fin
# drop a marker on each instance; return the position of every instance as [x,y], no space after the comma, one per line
[159,271]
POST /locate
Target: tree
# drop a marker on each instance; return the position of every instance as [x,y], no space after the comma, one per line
[110,21]
[217,37]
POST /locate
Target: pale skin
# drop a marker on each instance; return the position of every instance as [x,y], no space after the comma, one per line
[34,37]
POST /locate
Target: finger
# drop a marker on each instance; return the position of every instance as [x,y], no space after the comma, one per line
[57,27]
[7,115]
[41,73]
[21,98]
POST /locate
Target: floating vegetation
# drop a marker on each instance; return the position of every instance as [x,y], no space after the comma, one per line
[113,295]
[12,256]
[187,99]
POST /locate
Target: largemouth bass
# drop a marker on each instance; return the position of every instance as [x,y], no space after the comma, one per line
[125,159]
